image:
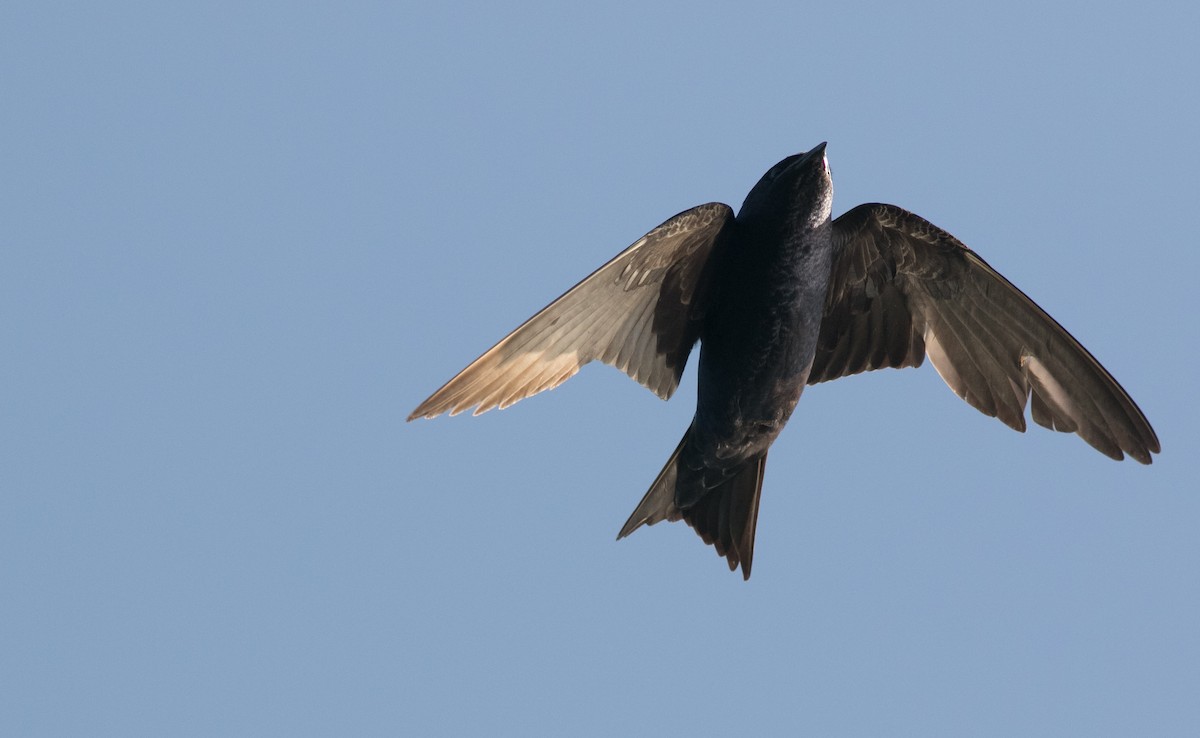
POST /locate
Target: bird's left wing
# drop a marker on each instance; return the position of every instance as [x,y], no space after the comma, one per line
[638,312]
[903,289]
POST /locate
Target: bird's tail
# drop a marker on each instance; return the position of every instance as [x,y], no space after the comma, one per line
[724,516]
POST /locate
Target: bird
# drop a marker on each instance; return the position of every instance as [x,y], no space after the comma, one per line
[781,296]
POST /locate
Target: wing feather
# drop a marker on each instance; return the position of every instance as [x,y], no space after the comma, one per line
[902,289]
[639,313]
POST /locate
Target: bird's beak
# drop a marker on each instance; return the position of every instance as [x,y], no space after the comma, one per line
[819,150]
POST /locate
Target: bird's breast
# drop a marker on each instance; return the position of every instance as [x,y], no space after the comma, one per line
[758,343]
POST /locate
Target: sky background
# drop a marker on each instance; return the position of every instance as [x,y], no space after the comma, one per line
[241,241]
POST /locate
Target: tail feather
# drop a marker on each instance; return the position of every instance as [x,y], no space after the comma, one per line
[658,504]
[724,516]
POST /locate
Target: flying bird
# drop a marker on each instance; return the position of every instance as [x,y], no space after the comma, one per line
[781,296]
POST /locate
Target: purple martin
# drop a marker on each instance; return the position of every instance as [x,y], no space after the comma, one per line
[781,296]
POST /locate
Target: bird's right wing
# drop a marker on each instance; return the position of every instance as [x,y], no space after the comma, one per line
[903,289]
[639,313]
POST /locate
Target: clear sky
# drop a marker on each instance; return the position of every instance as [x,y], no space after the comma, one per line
[241,241]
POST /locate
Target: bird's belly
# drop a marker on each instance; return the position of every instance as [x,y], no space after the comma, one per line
[750,384]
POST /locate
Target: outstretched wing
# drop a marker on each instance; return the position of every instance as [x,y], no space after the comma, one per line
[639,313]
[903,289]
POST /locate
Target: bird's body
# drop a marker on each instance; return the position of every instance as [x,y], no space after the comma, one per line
[757,341]
[760,333]
[781,297]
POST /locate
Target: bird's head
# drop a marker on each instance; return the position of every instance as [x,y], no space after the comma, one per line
[799,187]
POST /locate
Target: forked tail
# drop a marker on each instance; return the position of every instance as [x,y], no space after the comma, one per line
[724,516]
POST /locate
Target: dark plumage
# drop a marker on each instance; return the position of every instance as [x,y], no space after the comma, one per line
[781,297]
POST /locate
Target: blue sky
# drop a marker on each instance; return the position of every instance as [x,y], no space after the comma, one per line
[241,241]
